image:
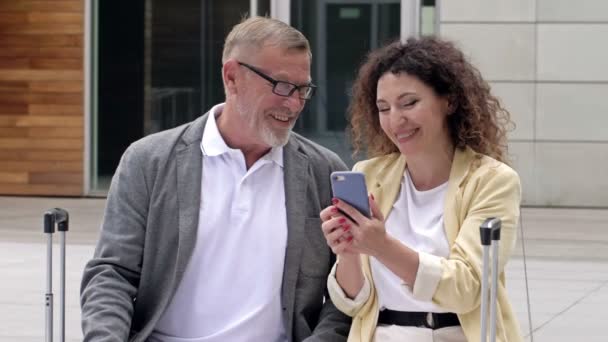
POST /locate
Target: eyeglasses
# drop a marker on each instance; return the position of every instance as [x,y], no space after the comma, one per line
[282,88]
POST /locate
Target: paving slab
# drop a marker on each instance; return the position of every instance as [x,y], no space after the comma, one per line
[566,264]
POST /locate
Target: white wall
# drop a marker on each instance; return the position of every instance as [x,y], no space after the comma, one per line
[548,62]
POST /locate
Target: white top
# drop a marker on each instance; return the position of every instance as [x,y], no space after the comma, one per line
[416,220]
[231,288]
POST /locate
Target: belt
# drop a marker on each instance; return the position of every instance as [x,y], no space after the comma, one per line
[429,320]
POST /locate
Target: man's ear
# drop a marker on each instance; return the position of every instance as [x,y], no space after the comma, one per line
[229,76]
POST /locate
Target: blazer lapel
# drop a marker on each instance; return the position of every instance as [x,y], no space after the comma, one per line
[458,174]
[295,173]
[189,175]
[385,187]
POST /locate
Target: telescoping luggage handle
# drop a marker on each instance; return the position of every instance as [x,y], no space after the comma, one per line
[52,217]
[490,236]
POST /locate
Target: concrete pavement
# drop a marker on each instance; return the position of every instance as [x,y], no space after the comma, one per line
[566,249]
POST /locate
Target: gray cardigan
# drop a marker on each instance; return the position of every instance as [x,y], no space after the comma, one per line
[150,227]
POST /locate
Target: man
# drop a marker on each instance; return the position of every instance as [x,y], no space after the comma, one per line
[211,231]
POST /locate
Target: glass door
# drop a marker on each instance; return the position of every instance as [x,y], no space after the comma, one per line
[156,64]
[341,33]
[351,30]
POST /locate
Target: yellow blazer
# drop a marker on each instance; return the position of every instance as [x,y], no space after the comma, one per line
[479,187]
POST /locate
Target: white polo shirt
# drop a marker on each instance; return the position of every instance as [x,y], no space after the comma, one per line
[231,288]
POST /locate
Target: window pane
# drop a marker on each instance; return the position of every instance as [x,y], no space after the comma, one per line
[348,30]
[428,18]
[389,16]
[341,33]
[159,66]
[173,77]
[120,84]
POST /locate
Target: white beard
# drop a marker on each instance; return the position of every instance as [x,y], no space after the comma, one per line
[255,124]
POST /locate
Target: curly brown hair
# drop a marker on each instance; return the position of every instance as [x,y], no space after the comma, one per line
[478,119]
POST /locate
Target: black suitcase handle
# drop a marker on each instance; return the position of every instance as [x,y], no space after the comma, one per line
[60,218]
[489,233]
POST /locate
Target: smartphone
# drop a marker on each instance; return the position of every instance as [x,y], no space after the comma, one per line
[349,186]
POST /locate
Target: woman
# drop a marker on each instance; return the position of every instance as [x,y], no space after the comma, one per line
[437,141]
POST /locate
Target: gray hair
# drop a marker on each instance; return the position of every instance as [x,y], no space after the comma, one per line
[257,32]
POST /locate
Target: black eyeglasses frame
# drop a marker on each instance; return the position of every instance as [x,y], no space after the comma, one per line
[294,87]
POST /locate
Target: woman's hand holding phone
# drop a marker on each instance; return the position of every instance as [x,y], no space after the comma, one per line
[336,229]
[368,234]
[348,232]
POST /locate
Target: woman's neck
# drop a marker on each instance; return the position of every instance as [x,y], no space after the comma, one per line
[429,170]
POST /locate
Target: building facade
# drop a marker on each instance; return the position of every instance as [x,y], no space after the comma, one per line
[82,79]
[548,61]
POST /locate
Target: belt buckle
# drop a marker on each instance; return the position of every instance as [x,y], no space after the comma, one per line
[430,321]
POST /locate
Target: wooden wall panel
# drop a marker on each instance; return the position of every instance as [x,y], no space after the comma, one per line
[41,75]
[42,155]
[41,189]
[41,97]
[51,109]
[40,166]
[13,86]
[51,6]
[56,86]
[13,108]
[51,52]
[40,121]
[43,29]
[39,144]
[14,177]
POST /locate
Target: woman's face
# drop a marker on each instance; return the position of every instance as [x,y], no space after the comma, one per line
[412,115]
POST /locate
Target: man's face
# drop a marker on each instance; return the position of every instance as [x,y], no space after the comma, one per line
[268,118]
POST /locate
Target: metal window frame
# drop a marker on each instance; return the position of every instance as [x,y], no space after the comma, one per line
[281,10]
[89,62]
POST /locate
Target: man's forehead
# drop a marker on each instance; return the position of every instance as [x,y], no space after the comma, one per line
[285,64]
[292,75]
[279,51]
